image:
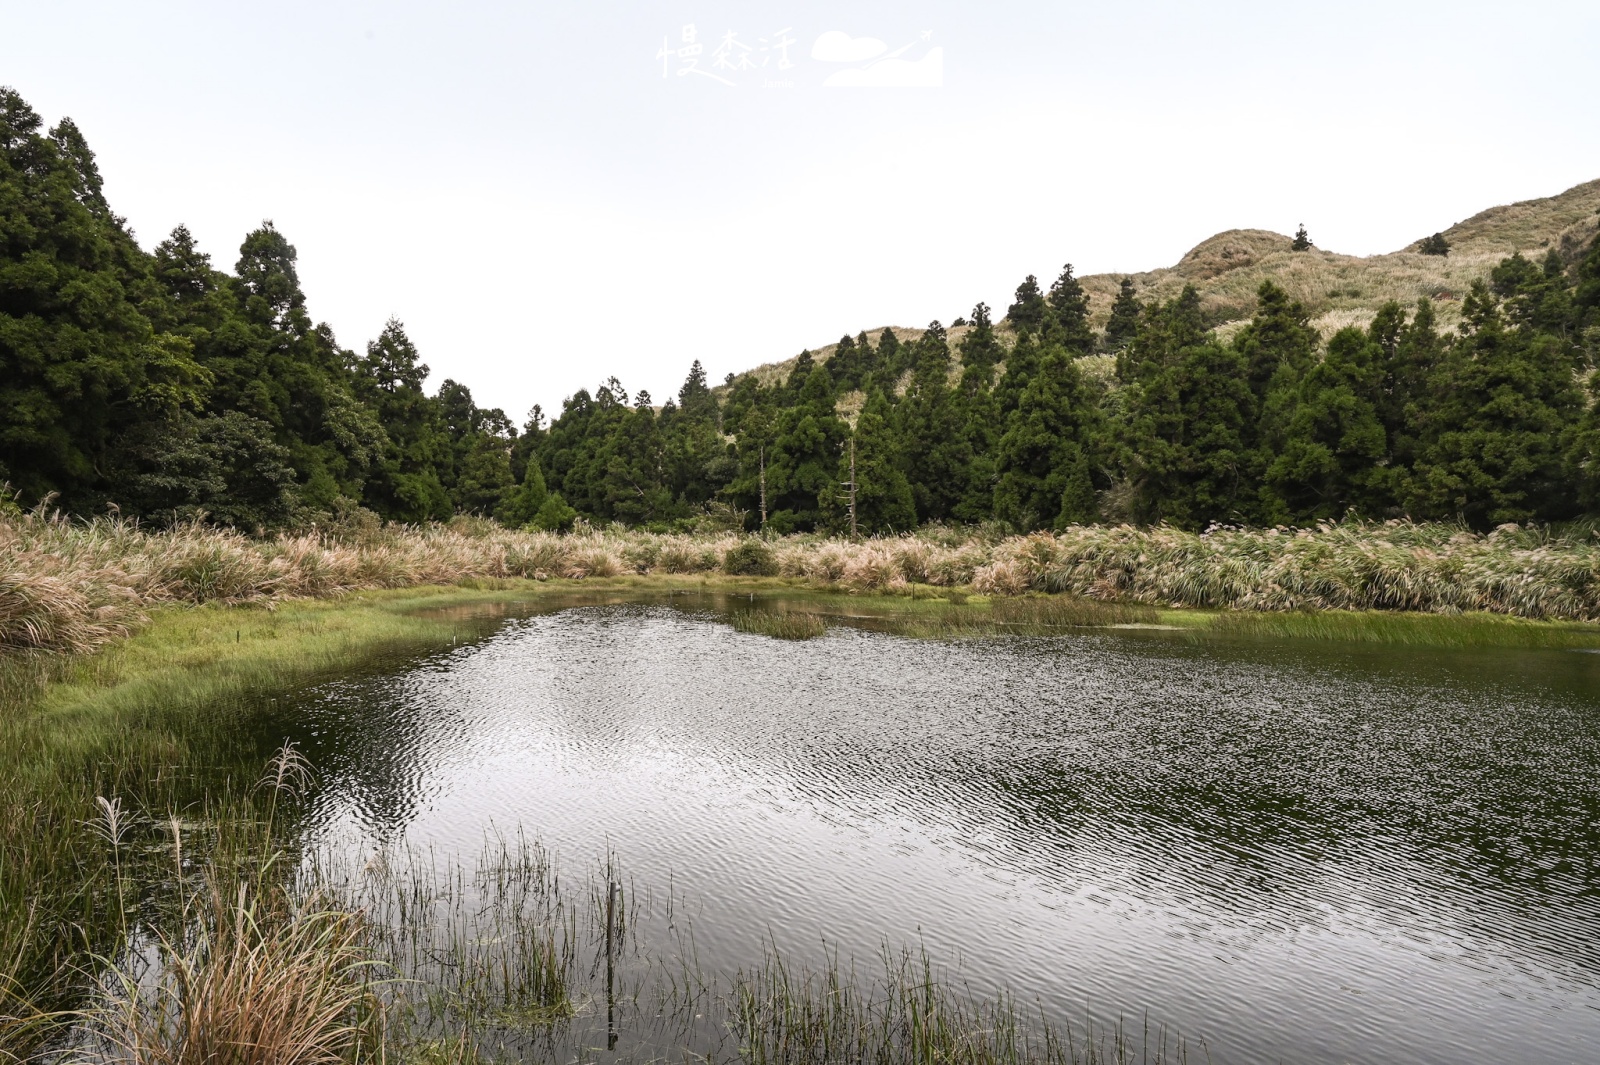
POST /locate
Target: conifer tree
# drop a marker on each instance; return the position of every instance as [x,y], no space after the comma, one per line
[1302,240]
[694,398]
[1124,321]
[1493,449]
[72,341]
[868,358]
[929,424]
[1184,445]
[802,466]
[884,502]
[1279,348]
[695,461]
[407,486]
[892,360]
[1028,313]
[1044,458]
[1412,356]
[845,364]
[1069,313]
[519,506]
[1434,245]
[980,352]
[1165,330]
[1332,460]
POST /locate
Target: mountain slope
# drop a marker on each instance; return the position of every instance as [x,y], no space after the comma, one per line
[1336,290]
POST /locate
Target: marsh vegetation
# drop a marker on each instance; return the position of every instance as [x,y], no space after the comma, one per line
[76,586]
[177,880]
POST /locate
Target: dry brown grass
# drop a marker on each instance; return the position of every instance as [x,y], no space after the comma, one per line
[260,978]
[1337,290]
[1356,566]
[73,586]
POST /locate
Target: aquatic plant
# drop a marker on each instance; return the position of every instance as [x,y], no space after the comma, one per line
[782,625]
[910,1012]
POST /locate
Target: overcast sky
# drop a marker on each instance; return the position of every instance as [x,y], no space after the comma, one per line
[549,194]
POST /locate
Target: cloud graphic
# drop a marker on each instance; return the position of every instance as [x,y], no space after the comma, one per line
[835,46]
[925,73]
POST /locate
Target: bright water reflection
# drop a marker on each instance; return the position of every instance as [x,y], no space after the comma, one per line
[1295,852]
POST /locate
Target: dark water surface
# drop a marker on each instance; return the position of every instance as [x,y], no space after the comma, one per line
[1300,852]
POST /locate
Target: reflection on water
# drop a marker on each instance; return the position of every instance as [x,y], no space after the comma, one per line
[1294,852]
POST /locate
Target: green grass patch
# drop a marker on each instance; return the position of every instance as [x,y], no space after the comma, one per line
[1394,629]
[154,723]
[781,625]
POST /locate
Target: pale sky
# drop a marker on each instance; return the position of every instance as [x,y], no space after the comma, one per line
[521,185]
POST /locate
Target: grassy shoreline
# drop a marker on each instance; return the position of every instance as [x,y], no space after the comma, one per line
[184,656]
[152,720]
[68,586]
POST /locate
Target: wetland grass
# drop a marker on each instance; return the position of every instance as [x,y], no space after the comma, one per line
[235,959]
[253,974]
[781,625]
[1025,616]
[153,726]
[511,962]
[1442,631]
[911,1013]
[74,586]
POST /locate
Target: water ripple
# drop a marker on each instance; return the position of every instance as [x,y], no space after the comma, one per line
[1296,854]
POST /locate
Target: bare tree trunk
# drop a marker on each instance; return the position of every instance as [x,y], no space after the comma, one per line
[853,534]
[763,487]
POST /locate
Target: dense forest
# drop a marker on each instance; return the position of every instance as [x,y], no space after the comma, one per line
[157,384]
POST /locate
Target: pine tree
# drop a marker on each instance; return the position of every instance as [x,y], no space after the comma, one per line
[1302,240]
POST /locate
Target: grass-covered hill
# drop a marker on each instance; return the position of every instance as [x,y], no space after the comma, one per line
[1336,290]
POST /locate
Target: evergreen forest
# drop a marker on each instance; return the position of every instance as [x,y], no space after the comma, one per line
[163,386]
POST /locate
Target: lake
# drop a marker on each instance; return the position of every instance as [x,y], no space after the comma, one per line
[1287,851]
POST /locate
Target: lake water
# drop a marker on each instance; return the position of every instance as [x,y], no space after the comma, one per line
[1302,852]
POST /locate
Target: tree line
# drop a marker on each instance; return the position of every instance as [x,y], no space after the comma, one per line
[160,385]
